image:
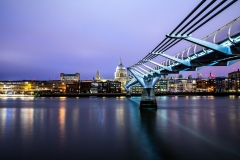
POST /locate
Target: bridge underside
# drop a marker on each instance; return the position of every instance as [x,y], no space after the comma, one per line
[214,58]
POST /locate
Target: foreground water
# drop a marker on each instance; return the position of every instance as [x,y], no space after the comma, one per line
[183,127]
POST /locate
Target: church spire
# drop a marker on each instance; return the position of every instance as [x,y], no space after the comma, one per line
[98,75]
[120,61]
[211,76]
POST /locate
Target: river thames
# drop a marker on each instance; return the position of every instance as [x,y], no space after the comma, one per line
[183,127]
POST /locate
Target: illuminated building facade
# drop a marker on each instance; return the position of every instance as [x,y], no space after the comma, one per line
[234,81]
[170,85]
[161,86]
[31,86]
[221,84]
[199,84]
[191,84]
[88,86]
[137,88]
[73,88]
[70,77]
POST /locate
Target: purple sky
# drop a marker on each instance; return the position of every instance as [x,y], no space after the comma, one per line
[40,39]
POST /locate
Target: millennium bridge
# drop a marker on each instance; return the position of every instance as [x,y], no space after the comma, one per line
[220,48]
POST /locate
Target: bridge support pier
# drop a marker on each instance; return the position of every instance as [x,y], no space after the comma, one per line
[128,94]
[148,99]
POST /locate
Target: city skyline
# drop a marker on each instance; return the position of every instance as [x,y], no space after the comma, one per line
[40,40]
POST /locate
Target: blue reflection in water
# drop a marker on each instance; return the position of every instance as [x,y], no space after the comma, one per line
[100,114]
[9,116]
[143,130]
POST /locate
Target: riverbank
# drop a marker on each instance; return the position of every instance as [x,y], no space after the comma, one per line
[15,95]
[124,94]
[92,95]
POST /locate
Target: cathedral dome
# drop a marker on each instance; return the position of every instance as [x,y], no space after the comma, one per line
[120,66]
[121,71]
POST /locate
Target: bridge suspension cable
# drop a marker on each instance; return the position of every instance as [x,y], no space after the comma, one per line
[167,43]
[165,49]
[181,22]
[162,49]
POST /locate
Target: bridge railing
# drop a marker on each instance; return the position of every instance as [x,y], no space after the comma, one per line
[227,32]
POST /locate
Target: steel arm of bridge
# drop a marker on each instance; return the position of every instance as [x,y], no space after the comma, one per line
[139,71]
[130,85]
[147,73]
[215,47]
[165,67]
[186,63]
[155,71]
[137,76]
[132,81]
[143,69]
[145,82]
[144,74]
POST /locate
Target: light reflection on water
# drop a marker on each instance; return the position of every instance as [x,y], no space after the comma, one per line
[26,122]
[232,96]
[120,117]
[183,127]
[62,112]
[3,114]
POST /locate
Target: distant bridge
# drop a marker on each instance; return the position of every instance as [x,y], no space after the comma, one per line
[220,48]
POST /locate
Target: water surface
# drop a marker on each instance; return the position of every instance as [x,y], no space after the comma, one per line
[183,127]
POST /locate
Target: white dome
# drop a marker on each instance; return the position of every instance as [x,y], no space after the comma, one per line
[120,66]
